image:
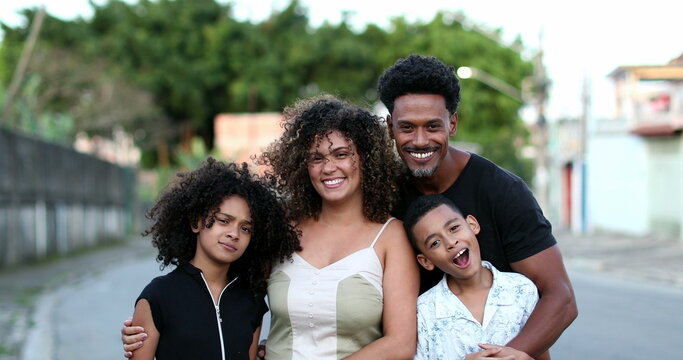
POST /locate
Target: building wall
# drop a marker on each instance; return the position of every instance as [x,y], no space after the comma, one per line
[666,180]
[617,184]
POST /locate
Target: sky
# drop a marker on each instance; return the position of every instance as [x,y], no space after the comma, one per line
[581,39]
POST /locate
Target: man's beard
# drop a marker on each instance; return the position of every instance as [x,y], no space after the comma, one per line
[422,172]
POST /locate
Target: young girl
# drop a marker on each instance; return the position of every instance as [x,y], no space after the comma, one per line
[222,228]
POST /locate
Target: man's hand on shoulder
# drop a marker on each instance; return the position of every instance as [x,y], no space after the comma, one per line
[132,337]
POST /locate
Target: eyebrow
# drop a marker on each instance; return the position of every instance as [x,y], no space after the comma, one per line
[232,217]
[432,235]
[333,150]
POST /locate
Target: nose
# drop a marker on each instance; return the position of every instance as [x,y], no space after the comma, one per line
[232,232]
[329,166]
[451,243]
[420,139]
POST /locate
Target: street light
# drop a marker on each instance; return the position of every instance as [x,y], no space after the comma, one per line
[466,72]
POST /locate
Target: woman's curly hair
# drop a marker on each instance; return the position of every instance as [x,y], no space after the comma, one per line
[196,196]
[308,121]
[418,74]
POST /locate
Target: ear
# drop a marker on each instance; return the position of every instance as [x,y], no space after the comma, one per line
[195,226]
[426,263]
[453,120]
[390,125]
[474,224]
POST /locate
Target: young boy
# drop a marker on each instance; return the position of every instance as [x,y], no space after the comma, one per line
[474,305]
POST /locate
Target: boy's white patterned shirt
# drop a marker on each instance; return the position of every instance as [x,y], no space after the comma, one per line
[446,329]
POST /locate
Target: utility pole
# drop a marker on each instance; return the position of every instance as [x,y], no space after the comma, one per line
[541,84]
[19,71]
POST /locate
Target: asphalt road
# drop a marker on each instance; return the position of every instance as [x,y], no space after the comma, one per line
[618,319]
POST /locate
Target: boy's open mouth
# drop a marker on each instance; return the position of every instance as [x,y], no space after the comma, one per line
[462,258]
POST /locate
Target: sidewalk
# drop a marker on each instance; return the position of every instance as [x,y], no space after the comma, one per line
[643,259]
[653,260]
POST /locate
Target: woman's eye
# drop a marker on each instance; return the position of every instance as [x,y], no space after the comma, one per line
[315,159]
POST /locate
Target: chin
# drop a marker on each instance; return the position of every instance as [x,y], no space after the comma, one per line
[422,173]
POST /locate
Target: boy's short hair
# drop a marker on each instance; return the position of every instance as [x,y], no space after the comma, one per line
[421,206]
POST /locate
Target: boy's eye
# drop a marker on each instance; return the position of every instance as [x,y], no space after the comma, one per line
[434,243]
[454,228]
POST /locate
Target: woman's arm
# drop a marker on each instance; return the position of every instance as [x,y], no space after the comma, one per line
[143,317]
[401,284]
[254,344]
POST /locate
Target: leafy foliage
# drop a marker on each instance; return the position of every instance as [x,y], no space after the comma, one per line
[165,68]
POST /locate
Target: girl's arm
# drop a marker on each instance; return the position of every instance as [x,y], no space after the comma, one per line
[254,344]
[143,317]
[401,285]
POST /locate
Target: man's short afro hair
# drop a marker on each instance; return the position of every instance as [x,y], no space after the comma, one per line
[419,74]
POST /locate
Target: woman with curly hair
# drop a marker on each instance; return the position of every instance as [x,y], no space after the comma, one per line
[351,291]
[222,228]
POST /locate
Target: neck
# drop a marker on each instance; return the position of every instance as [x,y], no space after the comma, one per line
[349,212]
[482,280]
[214,273]
[449,169]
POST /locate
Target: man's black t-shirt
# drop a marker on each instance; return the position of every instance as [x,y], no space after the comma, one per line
[184,313]
[513,227]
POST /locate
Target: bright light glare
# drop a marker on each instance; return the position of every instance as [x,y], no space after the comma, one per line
[464,72]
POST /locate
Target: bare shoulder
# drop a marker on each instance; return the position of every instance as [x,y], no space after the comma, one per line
[394,236]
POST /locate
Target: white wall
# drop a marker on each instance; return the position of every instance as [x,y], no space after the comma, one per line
[617,184]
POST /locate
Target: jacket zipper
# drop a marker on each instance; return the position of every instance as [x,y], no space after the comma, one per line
[219,320]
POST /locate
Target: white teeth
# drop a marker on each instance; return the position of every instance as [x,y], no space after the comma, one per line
[421,155]
[332,182]
[460,253]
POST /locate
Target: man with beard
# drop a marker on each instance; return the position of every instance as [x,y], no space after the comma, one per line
[422,94]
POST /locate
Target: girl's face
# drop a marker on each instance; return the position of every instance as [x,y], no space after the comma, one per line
[227,239]
[334,168]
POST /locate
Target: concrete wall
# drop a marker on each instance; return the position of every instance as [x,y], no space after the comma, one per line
[54,200]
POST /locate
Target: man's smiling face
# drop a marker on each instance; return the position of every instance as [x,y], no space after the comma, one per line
[421,125]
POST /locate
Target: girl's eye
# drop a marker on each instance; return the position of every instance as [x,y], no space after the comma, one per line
[223,221]
[342,155]
[246,229]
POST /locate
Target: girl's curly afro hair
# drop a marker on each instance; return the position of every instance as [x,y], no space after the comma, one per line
[418,74]
[308,121]
[197,195]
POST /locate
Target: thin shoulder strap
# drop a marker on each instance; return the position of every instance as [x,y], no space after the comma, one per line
[381,231]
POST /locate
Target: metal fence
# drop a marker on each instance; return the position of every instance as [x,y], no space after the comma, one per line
[54,200]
